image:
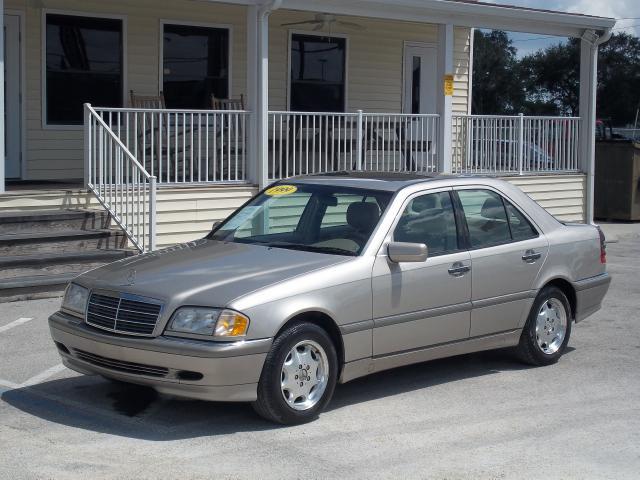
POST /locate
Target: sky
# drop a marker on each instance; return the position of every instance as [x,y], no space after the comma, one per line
[627,11]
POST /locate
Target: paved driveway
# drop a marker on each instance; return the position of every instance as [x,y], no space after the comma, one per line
[474,416]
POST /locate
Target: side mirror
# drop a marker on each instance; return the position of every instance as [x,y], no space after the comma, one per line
[407,252]
[215,225]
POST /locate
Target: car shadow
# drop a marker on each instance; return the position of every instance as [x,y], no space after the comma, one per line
[126,410]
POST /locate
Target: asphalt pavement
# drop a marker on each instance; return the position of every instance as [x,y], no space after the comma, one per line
[474,416]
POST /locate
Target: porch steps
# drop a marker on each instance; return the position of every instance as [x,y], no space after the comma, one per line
[42,250]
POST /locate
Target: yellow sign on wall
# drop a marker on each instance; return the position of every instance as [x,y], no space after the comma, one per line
[448,85]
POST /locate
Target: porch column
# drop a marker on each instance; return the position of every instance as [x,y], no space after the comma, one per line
[262,91]
[588,89]
[252,93]
[445,99]
[2,159]
[262,99]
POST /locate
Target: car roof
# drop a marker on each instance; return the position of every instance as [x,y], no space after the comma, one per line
[386,181]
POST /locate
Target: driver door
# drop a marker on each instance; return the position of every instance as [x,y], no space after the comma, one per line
[418,305]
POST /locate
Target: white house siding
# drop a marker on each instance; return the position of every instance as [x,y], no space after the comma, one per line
[187,213]
[55,153]
[183,214]
[562,195]
[375,59]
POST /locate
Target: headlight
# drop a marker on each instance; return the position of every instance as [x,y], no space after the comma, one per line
[75,298]
[209,321]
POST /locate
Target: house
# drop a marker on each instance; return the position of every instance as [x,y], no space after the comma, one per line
[316,86]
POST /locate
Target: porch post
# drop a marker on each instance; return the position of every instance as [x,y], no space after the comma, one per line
[588,90]
[252,94]
[445,100]
[2,106]
[262,97]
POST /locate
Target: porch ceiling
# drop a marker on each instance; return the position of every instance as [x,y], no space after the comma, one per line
[464,13]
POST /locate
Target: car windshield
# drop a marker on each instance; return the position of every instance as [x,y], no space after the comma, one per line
[314,218]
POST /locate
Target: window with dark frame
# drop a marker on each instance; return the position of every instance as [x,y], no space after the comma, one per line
[195,65]
[318,66]
[84,63]
[429,219]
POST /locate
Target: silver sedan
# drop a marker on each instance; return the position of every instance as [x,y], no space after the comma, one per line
[318,280]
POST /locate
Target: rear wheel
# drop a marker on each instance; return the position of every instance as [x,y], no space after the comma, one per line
[299,375]
[546,334]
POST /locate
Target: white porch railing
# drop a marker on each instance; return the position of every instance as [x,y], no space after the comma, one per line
[183,146]
[120,183]
[515,144]
[314,142]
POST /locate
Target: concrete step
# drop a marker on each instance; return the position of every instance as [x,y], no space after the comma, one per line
[63,241]
[17,222]
[35,286]
[15,267]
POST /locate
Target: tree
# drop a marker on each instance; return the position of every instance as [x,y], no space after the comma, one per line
[551,80]
[496,89]
[547,82]
[619,79]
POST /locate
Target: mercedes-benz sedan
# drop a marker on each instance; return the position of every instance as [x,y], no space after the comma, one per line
[318,280]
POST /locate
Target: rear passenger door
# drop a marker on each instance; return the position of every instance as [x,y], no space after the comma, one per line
[417,305]
[507,252]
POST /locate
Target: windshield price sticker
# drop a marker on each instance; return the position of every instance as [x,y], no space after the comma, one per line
[281,190]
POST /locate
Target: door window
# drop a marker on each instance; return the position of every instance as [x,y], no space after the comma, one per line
[195,65]
[429,219]
[415,84]
[521,228]
[486,218]
[492,220]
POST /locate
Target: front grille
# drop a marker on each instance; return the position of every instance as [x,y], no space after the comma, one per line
[120,365]
[122,314]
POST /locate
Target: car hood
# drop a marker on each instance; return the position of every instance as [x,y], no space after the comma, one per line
[206,272]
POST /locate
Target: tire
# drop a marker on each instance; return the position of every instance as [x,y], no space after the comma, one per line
[280,398]
[550,313]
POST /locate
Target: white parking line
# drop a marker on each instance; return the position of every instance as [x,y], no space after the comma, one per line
[41,377]
[15,323]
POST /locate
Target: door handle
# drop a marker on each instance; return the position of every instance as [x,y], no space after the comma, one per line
[530,256]
[458,269]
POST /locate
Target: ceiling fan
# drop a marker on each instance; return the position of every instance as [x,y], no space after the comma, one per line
[326,21]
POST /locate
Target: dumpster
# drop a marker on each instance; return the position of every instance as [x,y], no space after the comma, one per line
[617,180]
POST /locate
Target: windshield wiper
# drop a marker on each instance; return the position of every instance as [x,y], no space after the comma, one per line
[311,248]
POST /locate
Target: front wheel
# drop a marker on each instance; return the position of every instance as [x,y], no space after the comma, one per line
[299,375]
[546,333]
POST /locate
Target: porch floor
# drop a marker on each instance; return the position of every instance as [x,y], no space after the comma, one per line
[29,186]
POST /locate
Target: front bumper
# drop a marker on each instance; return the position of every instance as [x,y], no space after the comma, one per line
[205,370]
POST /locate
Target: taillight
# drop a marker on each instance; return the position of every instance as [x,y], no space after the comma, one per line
[603,246]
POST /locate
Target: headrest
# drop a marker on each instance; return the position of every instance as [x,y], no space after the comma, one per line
[363,216]
[424,202]
[493,209]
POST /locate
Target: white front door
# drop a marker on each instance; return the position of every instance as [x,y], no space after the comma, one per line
[420,78]
[12,97]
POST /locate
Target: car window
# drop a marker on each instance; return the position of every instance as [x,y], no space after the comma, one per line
[281,215]
[521,228]
[486,217]
[429,219]
[336,215]
[316,218]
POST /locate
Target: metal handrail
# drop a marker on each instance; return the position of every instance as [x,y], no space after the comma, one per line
[319,142]
[515,144]
[119,182]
